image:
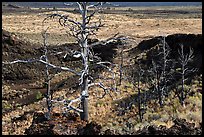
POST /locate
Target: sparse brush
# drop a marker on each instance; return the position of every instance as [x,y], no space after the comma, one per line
[39,95]
[158,123]
[165,118]
[6,105]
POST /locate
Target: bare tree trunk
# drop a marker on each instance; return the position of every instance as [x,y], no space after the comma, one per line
[47,81]
[49,98]
[121,66]
[137,79]
[84,51]
[184,59]
[139,98]
[183,77]
[84,99]
[162,80]
[164,67]
[158,88]
[84,103]
[182,88]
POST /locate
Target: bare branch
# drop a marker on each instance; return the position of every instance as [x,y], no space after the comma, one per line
[44,62]
[101,86]
[184,59]
[90,17]
[94,5]
[105,42]
[72,101]
[80,7]
[69,107]
[76,109]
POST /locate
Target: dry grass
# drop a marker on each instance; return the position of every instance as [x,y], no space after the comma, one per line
[30,26]
[102,110]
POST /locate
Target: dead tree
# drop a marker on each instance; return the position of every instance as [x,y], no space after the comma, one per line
[183,60]
[161,70]
[165,70]
[137,75]
[125,41]
[48,76]
[121,65]
[154,77]
[81,31]
[47,79]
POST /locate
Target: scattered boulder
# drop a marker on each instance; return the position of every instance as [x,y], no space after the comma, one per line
[180,127]
[39,125]
[59,124]
[91,128]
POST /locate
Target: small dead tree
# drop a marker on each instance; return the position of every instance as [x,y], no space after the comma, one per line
[161,70]
[183,60]
[47,79]
[48,76]
[166,74]
[137,75]
[154,77]
[125,41]
[121,65]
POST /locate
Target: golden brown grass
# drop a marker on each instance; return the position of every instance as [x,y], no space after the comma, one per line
[30,26]
[102,110]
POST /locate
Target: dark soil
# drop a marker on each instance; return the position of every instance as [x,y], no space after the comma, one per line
[151,50]
[147,50]
[70,124]
[14,49]
[150,47]
[20,75]
[180,127]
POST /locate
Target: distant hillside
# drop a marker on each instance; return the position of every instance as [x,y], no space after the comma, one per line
[121,4]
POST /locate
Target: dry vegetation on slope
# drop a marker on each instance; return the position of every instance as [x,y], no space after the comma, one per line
[30,25]
[109,113]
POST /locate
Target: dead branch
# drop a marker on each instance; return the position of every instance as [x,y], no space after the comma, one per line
[43,62]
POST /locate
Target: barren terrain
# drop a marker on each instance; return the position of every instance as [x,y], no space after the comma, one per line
[30,25]
[140,24]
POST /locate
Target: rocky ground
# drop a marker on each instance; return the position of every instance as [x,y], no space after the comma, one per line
[23,101]
[70,124]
